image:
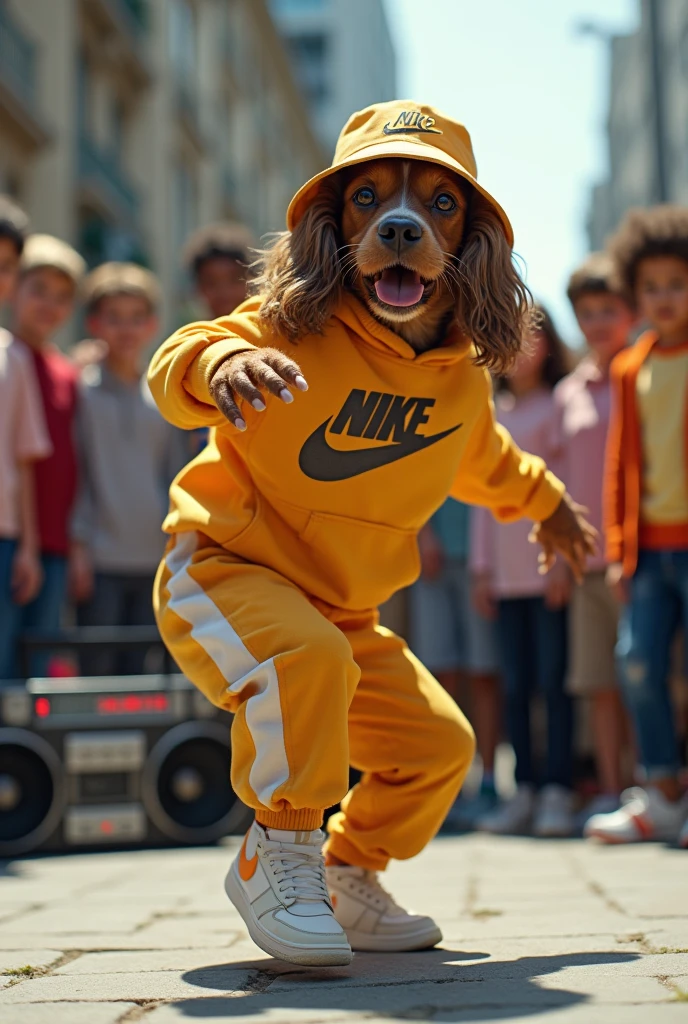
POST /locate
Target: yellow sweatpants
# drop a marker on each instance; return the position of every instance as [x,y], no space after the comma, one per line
[314,689]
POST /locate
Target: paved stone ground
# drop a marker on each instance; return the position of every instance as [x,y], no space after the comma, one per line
[534,931]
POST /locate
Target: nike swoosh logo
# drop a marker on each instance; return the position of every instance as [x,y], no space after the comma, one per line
[410,131]
[320,461]
[247,868]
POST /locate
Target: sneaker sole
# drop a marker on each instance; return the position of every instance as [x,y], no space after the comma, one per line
[364,942]
[304,956]
[608,840]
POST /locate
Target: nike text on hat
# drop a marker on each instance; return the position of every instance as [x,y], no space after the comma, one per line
[401,128]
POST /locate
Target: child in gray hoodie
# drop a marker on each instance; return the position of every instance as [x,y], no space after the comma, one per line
[129,457]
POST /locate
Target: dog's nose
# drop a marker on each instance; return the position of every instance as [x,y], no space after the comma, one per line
[399,232]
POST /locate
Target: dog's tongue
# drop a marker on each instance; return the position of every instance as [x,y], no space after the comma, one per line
[399,287]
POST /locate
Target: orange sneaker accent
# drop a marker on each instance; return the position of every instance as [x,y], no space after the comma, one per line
[333,900]
[247,868]
[643,825]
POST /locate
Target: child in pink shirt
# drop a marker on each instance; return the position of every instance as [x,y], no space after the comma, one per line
[583,406]
[23,439]
[530,609]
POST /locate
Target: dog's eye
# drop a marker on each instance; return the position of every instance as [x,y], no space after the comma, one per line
[445,203]
[364,197]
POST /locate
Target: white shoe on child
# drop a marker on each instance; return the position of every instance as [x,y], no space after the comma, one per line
[644,814]
[514,817]
[370,916]
[277,883]
[683,837]
[554,814]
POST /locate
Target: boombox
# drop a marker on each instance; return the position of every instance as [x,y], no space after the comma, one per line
[119,761]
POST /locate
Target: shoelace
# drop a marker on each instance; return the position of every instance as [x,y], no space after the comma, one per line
[299,871]
[370,880]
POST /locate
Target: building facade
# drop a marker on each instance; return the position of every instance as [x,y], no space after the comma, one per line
[343,57]
[647,124]
[125,124]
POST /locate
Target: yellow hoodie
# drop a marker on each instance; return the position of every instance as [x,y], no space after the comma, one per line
[330,491]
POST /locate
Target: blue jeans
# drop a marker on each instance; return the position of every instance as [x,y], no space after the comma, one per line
[10,613]
[44,612]
[658,607]
[533,649]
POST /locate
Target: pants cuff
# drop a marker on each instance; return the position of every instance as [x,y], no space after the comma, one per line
[343,850]
[304,819]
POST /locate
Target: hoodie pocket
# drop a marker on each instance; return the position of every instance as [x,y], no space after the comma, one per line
[360,564]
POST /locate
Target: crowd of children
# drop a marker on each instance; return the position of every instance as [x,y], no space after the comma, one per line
[86,462]
[613,427]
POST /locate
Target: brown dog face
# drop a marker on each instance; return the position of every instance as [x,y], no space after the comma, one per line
[402,225]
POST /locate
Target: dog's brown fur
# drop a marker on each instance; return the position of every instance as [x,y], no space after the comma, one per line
[463,256]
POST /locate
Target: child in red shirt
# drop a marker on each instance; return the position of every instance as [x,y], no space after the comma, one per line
[50,274]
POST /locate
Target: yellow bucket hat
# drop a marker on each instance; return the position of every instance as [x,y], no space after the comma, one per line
[401,128]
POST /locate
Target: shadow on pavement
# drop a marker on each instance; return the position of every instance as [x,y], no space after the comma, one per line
[434,985]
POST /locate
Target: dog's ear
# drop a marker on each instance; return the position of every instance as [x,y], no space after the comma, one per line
[494,305]
[300,277]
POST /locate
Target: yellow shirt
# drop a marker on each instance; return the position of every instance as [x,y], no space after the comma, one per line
[661,390]
[330,491]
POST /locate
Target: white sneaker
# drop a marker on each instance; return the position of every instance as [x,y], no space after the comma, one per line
[373,921]
[554,814]
[683,837]
[644,814]
[277,883]
[513,817]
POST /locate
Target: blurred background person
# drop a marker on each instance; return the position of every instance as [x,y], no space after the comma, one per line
[646,514]
[50,274]
[530,608]
[457,643]
[23,439]
[129,456]
[582,402]
[218,258]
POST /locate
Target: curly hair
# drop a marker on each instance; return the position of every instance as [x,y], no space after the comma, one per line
[643,233]
[300,279]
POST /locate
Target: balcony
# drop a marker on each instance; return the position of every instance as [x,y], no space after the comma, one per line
[104,184]
[18,80]
[125,22]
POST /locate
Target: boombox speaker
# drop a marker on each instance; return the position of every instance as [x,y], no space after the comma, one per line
[113,761]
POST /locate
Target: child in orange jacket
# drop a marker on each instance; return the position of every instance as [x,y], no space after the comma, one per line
[288,532]
[646,513]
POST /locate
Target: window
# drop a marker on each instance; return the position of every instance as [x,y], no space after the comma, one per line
[310,58]
[183,43]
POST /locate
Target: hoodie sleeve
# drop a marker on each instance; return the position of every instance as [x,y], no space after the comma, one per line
[495,473]
[181,370]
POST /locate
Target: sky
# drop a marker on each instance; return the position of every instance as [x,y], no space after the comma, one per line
[532,90]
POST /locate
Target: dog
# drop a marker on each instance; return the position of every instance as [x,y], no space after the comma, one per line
[417,244]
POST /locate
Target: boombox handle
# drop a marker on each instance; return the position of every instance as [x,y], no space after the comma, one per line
[122,638]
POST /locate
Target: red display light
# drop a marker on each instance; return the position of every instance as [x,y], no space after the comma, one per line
[107,828]
[132,703]
[42,707]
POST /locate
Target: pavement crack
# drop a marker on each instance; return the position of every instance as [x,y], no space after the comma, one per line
[594,887]
[28,972]
[261,980]
[15,914]
[138,1012]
